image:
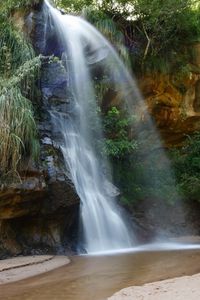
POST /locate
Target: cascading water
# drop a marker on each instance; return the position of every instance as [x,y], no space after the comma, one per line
[85,51]
[102,223]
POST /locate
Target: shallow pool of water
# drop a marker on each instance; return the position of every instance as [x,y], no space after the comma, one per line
[98,277]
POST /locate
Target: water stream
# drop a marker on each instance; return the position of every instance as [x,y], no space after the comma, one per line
[87,55]
[103,227]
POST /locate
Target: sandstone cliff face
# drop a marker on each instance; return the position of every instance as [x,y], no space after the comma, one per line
[174,102]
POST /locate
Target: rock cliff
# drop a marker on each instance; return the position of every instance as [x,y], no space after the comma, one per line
[174,101]
[39,213]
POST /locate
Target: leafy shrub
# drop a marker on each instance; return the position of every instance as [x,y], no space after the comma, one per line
[186,163]
[18,68]
[157,33]
[14,49]
[118,142]
[6,7]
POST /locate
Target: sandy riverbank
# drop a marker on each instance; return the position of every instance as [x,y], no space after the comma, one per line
[99,277]
[19,268]
[182,288]
[179,288]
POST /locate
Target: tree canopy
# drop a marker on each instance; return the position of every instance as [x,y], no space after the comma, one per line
[155,31]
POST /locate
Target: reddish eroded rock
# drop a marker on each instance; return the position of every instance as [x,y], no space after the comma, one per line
[174,101]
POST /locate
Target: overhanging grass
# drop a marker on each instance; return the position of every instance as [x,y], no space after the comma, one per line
[18,69]
[18,133]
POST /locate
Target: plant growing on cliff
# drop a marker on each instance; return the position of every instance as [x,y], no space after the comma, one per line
[14,49]
[18,134]
[18,67]
[117,127]
[8,6]
[186,163]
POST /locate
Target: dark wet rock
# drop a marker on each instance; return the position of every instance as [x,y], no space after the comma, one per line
[40,212]
[41,30]
[37,20]
[54,81]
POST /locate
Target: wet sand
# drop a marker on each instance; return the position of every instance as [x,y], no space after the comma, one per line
[97,278]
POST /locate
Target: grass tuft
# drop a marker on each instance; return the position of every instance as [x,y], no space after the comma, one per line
[18,70]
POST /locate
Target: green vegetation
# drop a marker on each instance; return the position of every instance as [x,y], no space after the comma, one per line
[14,49]
[18,129]
[136,173]
[109,29]
[155,36]
[186,163]
[141,177]
[8,6]
[156,33]
[118,143]
[18,67]
[146,174]
[74,5]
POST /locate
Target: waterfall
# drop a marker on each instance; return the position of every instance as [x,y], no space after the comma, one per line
[103,224]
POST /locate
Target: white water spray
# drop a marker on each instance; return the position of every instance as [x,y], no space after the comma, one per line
[103,226]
